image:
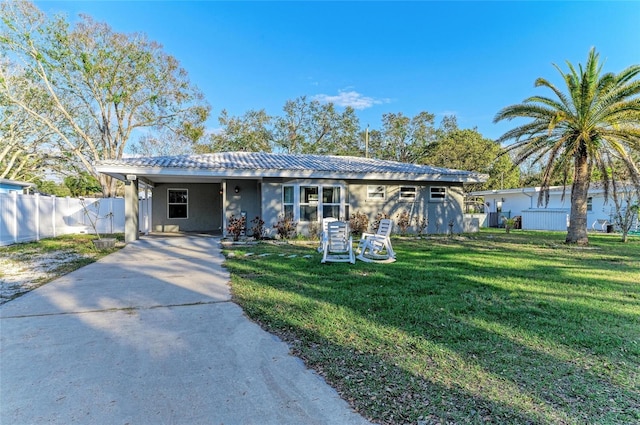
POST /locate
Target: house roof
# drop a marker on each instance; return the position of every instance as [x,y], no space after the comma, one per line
[223,165]
[595,187]
[16,183]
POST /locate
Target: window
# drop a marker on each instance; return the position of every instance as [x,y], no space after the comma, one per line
[589,203]
[437,193]
[308,203]
[377,193]
[178,203]
[331,202]
[408,193]
[287,201]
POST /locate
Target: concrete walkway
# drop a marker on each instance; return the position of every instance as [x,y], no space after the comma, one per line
[148,335]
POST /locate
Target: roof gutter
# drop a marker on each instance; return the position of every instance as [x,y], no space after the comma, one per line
[120,173]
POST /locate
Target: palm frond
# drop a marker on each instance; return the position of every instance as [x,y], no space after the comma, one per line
[594,121]
[564,100]
[628,74]
[550,103]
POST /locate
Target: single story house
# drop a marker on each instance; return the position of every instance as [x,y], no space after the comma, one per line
[202,192]
[8,186]
[523,202]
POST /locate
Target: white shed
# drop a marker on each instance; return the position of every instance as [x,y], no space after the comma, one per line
[523,202]
[545,219]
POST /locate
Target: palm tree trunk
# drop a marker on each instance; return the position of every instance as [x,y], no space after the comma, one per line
[577,231]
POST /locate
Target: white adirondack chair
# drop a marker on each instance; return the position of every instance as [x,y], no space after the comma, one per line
[323,236]
[376,247]
[338,246]
[600,224]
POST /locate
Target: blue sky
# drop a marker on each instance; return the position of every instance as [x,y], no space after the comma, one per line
[465,58]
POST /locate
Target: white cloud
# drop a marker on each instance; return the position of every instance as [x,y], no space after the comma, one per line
[350,98]
[214,130]
[447,113]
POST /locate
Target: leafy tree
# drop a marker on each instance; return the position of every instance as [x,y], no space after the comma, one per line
[82,184]
[405,139]
[250,132]
[100,86]
[49,187]
[448,124]
[315,128]
[595,122]
[371,144]
[468,150]
[532,174]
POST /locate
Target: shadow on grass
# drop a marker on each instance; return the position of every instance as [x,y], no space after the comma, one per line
[450,337]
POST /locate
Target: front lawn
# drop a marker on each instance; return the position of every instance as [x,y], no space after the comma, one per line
[487,328]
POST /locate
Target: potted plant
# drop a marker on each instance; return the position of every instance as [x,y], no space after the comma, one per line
[93,217]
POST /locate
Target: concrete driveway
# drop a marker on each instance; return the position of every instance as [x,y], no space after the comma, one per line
[148,335]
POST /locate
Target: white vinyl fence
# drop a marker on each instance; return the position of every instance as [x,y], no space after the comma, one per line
[25,218]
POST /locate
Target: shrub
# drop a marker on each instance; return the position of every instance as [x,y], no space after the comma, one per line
[359,223]
[376,222]
[286,227]
[258,228]
[315,230]
[509,223]
[422,222]
[236,226]
[404,221]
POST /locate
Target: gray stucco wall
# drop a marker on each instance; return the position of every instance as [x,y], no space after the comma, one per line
[439,213]
[204,208]
[271,205]
[264,199]
[247,199]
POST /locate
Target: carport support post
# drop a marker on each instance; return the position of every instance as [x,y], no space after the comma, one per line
[131,205]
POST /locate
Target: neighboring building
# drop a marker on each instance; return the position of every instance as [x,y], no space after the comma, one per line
[201,192]
[7,186]
[523,202]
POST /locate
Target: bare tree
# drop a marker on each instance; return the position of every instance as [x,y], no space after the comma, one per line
[101,86]
[24,142]
[627,205]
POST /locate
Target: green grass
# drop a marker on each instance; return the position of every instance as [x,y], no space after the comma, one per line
[77,243]
[489,328]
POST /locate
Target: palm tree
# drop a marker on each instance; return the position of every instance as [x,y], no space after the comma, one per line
[592,126]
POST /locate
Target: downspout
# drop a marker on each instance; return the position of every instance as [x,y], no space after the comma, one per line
[530,198]
[147,210]
[223,185]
